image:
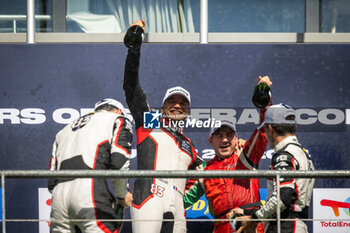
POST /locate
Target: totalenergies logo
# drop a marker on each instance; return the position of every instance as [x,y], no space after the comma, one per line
[48,203]
[335,205]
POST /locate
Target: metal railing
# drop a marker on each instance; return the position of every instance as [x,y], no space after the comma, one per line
[30,174]
[16,18]
[30,17]
[311,35]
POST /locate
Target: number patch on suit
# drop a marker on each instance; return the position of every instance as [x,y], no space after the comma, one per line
[81,122]
[157,190]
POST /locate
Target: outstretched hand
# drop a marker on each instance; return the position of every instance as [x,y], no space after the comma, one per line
[265,79]
[240,143]
[233,212]
[126,202]
[140,23]
[247,226]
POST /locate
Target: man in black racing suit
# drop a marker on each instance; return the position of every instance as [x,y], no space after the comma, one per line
[295,193]
[166,148]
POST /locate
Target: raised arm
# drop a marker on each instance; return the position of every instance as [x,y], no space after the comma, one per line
[256,145]
[135,97]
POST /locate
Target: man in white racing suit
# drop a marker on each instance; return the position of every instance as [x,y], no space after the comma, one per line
[295,193]
[158,203]
[100,140]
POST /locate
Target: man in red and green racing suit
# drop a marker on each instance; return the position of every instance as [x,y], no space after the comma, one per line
[225,194]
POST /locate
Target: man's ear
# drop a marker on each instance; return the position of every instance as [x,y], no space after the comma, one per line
[210,140]
[117,111]
[272,131]
[188,109]
[235,138]
[120,112]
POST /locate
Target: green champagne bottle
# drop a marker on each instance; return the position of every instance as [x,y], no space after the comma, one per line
[262,95]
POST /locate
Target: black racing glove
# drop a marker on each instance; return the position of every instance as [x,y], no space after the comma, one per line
[249,209]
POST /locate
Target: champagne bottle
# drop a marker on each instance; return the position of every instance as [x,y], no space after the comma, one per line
[262,95]
[134,37]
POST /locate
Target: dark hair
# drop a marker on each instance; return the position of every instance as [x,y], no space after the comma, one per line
[106,107]
[283,129]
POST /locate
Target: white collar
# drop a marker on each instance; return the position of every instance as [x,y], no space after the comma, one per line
[284,142]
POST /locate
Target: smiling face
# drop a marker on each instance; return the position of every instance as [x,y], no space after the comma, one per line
[224,142]
[176,108]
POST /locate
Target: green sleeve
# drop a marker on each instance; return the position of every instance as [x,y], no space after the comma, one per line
[194,189]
